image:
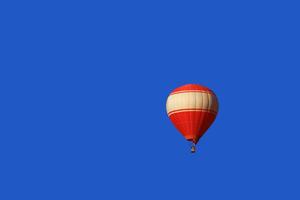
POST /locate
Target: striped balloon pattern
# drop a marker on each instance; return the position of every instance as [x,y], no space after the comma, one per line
[192,108]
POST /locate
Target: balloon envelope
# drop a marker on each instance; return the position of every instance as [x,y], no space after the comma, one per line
[192,109]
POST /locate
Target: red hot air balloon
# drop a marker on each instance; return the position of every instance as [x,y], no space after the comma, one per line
[192,109]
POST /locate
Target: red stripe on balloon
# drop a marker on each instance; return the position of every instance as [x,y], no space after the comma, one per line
[187,91]
[192,110]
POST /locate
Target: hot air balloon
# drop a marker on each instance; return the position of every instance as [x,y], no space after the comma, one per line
[192,109]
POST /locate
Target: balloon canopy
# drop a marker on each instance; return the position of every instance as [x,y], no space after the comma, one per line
[192,108]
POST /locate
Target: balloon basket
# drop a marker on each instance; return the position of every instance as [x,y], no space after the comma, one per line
[193,148]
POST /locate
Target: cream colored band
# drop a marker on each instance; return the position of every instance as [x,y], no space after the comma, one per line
[193,101]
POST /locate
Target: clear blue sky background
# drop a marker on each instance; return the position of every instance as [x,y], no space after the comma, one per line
[83,91]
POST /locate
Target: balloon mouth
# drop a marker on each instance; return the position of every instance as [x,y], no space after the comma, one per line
[192,140]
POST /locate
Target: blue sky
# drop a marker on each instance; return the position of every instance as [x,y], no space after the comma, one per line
[84,85]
